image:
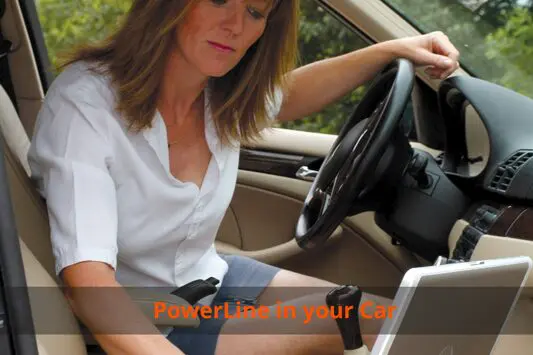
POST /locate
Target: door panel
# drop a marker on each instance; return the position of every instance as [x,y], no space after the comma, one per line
[266,205]
[261,221]
[264,218]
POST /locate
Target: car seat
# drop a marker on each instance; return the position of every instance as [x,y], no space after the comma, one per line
[32,226]
[31,220]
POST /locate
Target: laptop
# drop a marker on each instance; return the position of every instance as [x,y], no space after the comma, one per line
[453,309]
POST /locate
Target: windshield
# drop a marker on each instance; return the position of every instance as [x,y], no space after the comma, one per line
[495,37]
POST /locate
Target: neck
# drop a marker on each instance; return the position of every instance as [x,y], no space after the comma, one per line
[181,88]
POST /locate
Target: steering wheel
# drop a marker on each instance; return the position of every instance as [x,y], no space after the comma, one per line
[343,177]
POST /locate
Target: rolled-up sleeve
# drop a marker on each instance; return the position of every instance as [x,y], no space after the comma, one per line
[70,158]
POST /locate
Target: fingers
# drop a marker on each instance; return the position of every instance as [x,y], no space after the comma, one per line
[439,73]
[442,45]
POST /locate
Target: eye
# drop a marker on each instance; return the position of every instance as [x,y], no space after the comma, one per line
[219,2]
[256,14]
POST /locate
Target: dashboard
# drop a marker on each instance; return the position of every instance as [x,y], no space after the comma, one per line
[489,132]
[483,177]
[477,143]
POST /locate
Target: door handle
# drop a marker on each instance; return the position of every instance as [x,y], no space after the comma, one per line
[305,173]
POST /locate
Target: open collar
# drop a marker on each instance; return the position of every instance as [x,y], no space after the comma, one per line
[157,137]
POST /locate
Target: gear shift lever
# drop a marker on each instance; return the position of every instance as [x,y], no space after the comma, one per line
[348,298]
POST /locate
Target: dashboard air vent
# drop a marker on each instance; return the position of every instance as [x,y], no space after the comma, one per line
[504,174]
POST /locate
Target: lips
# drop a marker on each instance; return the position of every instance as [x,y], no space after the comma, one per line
[220,47]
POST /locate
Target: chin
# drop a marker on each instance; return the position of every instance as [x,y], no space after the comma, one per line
[217,71]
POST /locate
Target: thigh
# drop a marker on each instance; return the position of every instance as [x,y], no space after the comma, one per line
[254,282]
[243,283]
[282,335]
[246,279]
[287,285]
[301,332]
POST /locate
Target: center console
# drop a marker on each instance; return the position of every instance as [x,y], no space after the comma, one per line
[512,224]
[489,231]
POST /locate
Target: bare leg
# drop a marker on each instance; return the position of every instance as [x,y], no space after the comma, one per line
[306,333]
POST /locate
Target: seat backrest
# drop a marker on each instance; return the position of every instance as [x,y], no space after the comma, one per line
[29,208]
[31,219]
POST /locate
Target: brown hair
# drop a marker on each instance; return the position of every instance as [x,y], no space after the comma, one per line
[135,55]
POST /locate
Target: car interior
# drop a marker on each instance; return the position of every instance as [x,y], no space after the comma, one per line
[462,189]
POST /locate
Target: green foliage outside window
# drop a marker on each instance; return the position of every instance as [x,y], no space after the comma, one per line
[323,36]
[495,37]
[67,23]
[512,46]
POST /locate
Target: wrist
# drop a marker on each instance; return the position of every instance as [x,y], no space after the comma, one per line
[392,49]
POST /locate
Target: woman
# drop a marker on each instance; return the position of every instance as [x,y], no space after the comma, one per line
[136,152]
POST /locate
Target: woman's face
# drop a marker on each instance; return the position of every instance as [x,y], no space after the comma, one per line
[216,34]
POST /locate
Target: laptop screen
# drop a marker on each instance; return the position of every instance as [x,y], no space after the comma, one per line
[458,313]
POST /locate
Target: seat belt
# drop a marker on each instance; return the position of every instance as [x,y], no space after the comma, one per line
[5,49]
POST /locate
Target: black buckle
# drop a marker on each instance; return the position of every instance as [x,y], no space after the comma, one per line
[196,290]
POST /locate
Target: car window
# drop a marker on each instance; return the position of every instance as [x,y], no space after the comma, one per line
[67,23]
[322,36]
[495,37]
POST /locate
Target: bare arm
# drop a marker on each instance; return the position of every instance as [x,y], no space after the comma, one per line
[318,84]
[116,323]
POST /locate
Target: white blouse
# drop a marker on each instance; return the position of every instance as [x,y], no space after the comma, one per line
[111,196]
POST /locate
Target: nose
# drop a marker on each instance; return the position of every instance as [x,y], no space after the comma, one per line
[234,20]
